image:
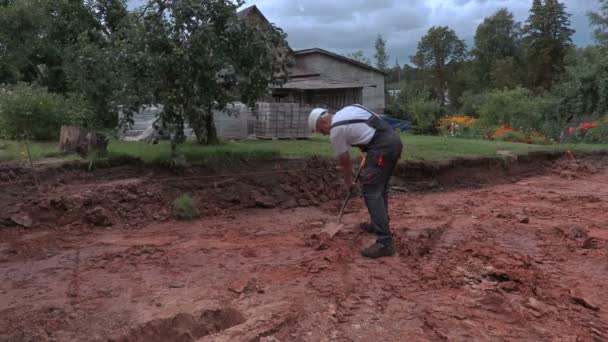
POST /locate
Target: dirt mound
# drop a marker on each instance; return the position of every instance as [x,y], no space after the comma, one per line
[184,327]
[132,202]
[471,172]
[574,168]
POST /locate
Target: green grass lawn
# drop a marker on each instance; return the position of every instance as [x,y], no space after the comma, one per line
[416,148]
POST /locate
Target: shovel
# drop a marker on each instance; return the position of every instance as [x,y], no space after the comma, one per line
[332,228]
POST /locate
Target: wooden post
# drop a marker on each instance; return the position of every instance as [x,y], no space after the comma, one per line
[83,141]
[71,137]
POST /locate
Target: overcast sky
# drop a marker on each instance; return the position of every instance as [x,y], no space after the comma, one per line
[345,26]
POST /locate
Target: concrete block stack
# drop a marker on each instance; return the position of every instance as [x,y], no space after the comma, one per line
[282,121]
[233,121]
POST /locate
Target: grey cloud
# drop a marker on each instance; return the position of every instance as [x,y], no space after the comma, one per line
[345,26]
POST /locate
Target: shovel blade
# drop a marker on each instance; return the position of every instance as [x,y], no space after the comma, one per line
[332,228]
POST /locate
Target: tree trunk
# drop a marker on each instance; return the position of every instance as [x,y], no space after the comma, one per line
[75,139]
[211,131]
[71,136]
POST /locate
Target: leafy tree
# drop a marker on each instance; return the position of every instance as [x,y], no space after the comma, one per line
[463,78]
[359,56]
[197,56]
[584,86]
[110,14]
[548,37]
[93,65]
[600,21]
[409,73]
[34,36]
[437,50]
[381,56]
[471,102]
[497,38]
[400,106]
[505,73]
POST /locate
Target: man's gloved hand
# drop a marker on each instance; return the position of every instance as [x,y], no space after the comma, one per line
[353,188]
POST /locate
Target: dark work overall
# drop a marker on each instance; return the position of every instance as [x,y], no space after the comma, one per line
[383,153]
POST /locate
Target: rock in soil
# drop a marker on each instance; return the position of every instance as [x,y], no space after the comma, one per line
[263,201]
[23,219]
[99,217]
[240,285]
[523,219]
[583,299]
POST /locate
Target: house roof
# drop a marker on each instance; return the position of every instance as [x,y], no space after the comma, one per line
[249,10]
[318,82]
[338,57]
[302,72]
[254,10]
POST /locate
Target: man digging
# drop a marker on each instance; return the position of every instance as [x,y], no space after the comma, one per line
[356,126]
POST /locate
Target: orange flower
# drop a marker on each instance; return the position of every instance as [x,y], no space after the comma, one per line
[503,130]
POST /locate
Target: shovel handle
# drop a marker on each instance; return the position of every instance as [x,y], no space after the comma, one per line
[350,191]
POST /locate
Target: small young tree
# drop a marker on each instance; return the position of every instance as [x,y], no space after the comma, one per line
[600,21]
[381,56]
[359,56]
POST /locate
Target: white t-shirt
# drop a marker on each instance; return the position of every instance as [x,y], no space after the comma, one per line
[345,136]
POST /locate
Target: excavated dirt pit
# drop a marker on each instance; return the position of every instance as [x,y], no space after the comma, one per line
[523,258]
[184,327]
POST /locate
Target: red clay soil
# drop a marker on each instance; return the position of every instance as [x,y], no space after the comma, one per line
[524,261]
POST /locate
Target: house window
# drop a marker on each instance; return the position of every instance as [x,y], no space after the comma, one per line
[278,98]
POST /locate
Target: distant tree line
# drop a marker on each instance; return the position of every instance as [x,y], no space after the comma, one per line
[532,66]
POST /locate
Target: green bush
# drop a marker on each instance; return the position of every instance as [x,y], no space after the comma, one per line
[425,113]
[471,103]
[511,107]
[552,122]
[184,208]
[599,134]
[30,112]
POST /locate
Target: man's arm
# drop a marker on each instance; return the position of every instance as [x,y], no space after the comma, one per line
[347,168]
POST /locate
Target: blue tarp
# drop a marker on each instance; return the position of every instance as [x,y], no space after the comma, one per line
[401,125]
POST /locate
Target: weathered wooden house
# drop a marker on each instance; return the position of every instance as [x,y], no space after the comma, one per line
[323,78]
[318,78]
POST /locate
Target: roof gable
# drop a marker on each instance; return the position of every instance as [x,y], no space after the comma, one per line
[338,57]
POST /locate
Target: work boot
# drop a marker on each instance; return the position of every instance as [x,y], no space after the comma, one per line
[368,227]
[378,250]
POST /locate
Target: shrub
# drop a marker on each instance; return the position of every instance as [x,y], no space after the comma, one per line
[590,132]
[184,208]
[471,102]
[599,131]
[425,112]
[30,112]
[515,108]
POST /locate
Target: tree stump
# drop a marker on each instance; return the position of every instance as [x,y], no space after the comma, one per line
[75,139]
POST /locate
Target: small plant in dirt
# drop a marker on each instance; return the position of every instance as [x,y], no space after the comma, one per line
[184,208]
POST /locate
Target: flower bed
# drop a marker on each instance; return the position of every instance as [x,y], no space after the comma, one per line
[455,125]
[507,133]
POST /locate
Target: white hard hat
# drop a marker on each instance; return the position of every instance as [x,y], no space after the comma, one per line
[313,118]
